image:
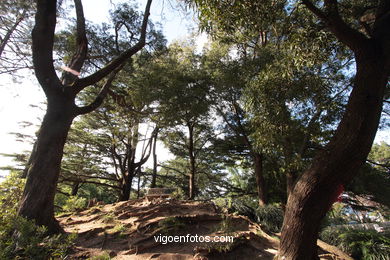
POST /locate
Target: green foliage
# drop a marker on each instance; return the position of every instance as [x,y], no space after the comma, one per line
[380,154]
[270,217]
[104,256]
[15,30]
[22,238]
[335,216]
[360,244]
[11,190]
[372,181]
[178,194]
[74,203]
[109,218]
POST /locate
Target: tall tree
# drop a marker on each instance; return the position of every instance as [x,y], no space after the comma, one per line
[38,197]
[363,28]
[230,79]
[183,105]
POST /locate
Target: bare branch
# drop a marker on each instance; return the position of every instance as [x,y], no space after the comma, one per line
[100,97]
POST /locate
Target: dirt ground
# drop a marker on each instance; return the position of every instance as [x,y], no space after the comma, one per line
[127,230]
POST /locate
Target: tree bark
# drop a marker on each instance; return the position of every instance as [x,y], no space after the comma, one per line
[260,183]
[314,192]
[37,202]
[125,190]
[154,175]
[191,183]
[127,182]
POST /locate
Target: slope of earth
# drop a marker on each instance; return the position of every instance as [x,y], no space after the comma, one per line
[128,230]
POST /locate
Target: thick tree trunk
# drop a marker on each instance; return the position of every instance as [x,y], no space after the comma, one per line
[314,192]
[260,183]
[125,191]
[38,197]
[191,184]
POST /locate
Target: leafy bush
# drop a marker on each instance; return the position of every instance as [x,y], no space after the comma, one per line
[240,206]
[74,203]
[360,244]
[11,190]
[270,217]
[21,238]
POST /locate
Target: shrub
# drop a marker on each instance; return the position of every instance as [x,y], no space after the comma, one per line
[240,206]
[270,217]
[21,238]
[360,244]
[74,203]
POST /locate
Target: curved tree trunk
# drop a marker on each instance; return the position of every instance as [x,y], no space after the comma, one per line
[38,197]
[314,192]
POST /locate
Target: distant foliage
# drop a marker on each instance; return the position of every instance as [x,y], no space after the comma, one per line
[360,244]
[74,203]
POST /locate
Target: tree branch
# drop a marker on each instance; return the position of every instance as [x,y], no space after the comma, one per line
[103,72]
[93,182]
[10,31]
[82,46]
[342,31]
[42,46]
[100,97]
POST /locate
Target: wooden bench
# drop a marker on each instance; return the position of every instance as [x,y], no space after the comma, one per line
[154,193]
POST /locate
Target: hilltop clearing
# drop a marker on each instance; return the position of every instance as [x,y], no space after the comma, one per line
[128,230]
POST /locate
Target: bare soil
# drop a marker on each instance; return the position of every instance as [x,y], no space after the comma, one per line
[126,230]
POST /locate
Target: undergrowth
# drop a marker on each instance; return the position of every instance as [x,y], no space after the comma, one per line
[360,244]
